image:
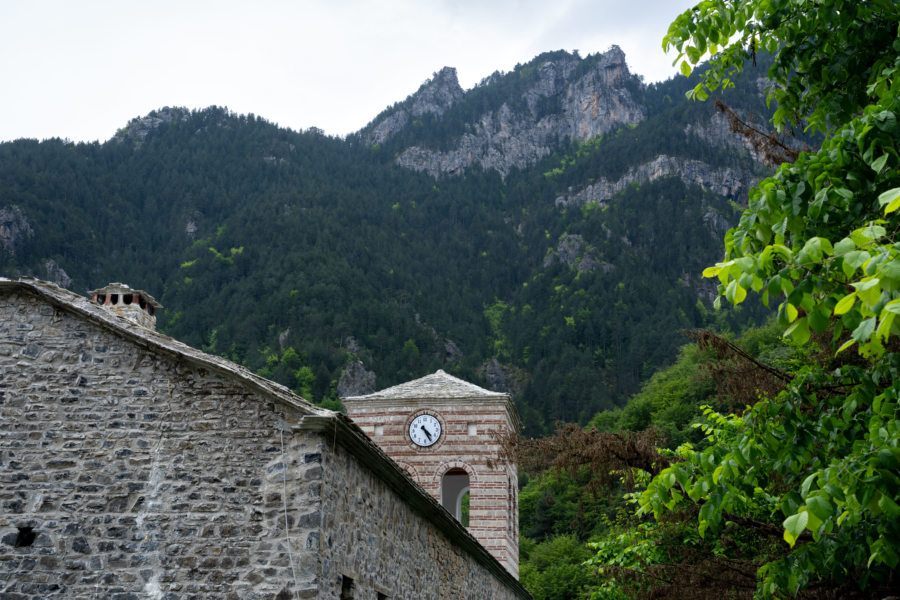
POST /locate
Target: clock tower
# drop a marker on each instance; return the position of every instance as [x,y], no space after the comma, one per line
[440,429]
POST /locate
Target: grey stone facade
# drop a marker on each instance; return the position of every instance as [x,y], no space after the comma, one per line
[133,467]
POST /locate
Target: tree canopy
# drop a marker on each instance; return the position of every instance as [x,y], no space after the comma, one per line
[818,463]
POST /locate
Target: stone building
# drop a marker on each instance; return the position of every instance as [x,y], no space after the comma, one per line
[133,466]
[444,432]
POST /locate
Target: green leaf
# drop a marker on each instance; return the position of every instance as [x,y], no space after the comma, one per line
[884,327]
[889,458]
[734,293]
[798,331]
[845,303]
[794,526]
[893,307]
[667,479]
[804,487]
[844,246]
[878,164]
[820,507]
[791,312]
[865,330]
[891,198]
[869,291]
[889,507]
[855,259]
[890,269]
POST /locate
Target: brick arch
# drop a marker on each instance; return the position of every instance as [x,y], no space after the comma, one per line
[454,464]
[410,470]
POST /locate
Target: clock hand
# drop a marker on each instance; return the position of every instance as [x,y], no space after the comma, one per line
[427,434]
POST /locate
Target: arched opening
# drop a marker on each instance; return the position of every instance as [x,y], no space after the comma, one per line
[455,494]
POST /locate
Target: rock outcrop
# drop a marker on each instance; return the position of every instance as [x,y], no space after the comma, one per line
[503,378]
[56,274]
[356,380]
[138,129]
[435,96]
[14,229]
[573,251]
[726,181]
[562,102]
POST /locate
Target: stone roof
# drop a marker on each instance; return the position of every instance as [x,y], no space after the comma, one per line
[438,385]
[156,341]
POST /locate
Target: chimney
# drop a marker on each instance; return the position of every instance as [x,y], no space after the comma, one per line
[135,305]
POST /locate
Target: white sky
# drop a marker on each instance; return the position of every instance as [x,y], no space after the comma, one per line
[80,69]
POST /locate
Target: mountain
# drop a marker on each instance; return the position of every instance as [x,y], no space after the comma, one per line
[513,120]
[542,232]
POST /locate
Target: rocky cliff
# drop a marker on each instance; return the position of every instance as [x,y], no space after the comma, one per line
[434,97]
[139,128]
[724,181]
[562,97]
[14,229]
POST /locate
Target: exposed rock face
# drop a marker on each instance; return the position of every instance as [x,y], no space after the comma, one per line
[437,95]
[716,132]
[716,223]
[356,380]
[572,250]
[723,181]
[138,129]
[56,274]
[14,229]
[597,102]
[434,97]
[562,103]
[502,140]
[446,351]
[503,378]
[452,353]
[283,337]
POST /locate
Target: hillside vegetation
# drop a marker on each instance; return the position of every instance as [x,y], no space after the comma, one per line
[301,255]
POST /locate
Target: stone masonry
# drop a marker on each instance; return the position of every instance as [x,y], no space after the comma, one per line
[135,467]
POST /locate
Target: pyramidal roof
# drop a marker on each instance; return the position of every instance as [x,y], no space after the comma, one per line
[437,385]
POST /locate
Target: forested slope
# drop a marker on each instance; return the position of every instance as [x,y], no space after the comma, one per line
[564,280]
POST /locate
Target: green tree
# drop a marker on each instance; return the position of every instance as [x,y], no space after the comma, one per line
[555,569]
[817,465]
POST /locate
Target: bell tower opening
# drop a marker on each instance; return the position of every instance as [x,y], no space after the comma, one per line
[454,489]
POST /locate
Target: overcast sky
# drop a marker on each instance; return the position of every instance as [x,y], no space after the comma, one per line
[82,69]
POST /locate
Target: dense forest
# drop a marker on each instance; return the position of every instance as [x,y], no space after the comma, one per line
[298,254]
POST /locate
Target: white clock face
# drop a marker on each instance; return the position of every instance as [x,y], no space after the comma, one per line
[425,430]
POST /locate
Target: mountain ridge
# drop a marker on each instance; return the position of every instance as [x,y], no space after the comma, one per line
[559,264]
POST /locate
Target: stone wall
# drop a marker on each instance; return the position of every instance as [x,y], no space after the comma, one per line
[125,474]
[372,535]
